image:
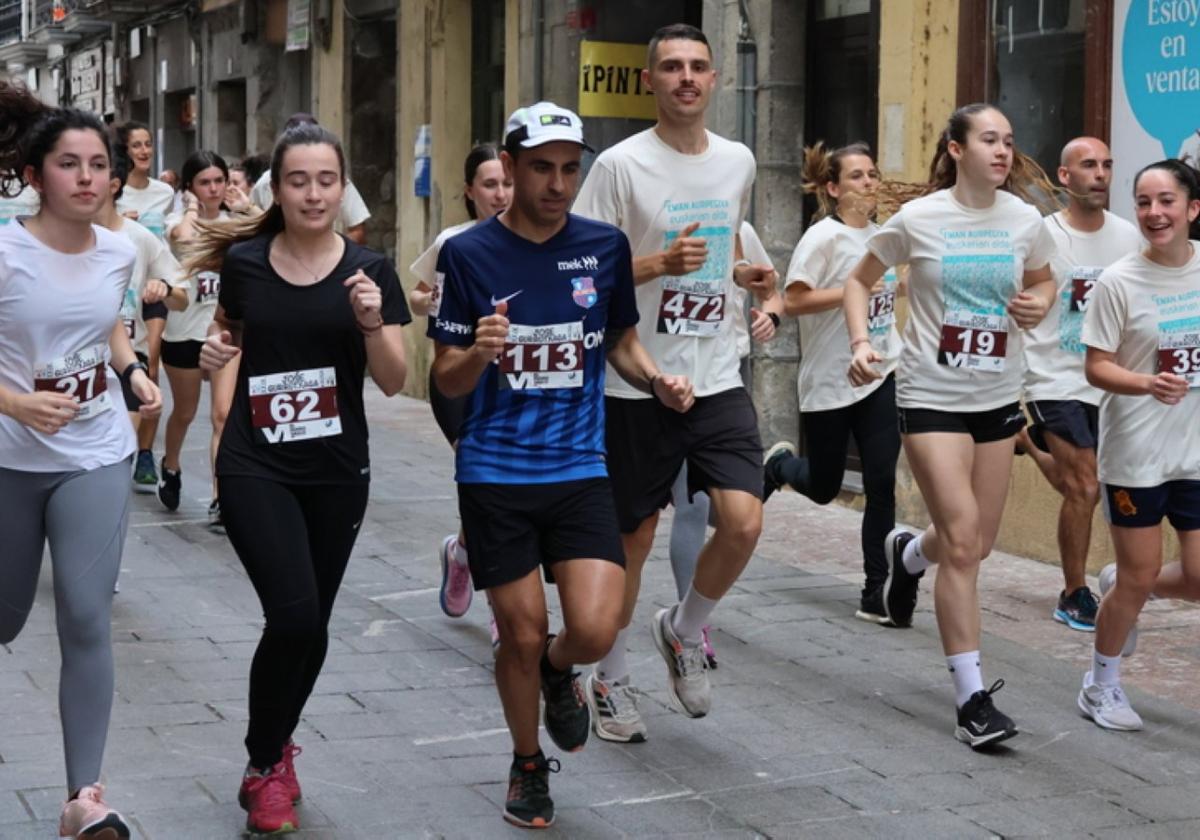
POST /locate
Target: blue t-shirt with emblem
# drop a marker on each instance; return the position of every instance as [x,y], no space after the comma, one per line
[537,413]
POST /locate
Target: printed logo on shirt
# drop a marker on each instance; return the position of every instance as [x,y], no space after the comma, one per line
[497,301]
[584,291]
[976,286]
[588,263]
[454,327]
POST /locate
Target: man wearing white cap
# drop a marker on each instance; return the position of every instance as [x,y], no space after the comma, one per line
[680,193]
[532,302]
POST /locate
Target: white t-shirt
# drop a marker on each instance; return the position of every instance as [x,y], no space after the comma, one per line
[154,261]
[424,267]
[24,203]
[191,324]
[961,350]
[354,210]
[753,250]
[57,313]
[153,203]
[652,192]
[1149,316]
[823,259]
[1053,352]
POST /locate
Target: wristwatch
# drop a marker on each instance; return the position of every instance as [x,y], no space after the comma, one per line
[138,365]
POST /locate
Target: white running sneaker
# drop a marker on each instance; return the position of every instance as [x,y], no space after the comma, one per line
[615,715]
[87,816]
[687,667]
[1107,705]
[1108,579]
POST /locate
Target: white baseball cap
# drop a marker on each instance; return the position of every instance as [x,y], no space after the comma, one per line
[541,123]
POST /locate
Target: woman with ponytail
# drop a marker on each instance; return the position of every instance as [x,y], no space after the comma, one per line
[307,313]
[65,446]
[844,182]
[979,273]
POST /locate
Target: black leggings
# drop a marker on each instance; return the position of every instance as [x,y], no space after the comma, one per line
[872,421]
[295,542]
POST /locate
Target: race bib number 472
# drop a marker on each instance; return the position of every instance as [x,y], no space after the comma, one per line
[298,405]
[80,375]
[548,356]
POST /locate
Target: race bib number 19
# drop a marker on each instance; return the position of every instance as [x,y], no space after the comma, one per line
[549,356]
[974,341]
[80,375]
[299,405]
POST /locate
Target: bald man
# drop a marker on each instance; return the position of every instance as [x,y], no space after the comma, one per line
[1063,406]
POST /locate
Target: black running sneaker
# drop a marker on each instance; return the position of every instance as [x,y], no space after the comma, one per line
[169,486]
[776,455]
[1078,610]
[567,717]
[528,803]
[871,609]
[980,723]
[900,587]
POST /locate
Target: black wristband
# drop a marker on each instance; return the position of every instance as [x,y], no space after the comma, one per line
[774,319]
[137,365]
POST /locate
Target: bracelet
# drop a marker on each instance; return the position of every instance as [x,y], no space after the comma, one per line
[137,365]
[369,330]
[857,342]
[775,319]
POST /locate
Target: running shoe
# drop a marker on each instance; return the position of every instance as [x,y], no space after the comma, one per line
[528,803]
[290,751]
[456,580]
[214,516]
[1077,610]
[871,609]
[980,723]
[87,817]
[145,479]
[268,799]
[710,652]
[1108,579]
[567,717]
[1107,705]
[615,715]
[900,588]
[687,667]
[775,456]
[169,487]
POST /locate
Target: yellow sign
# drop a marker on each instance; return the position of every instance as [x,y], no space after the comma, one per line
[610,81]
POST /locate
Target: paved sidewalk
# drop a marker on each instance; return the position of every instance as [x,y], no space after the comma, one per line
[822,726]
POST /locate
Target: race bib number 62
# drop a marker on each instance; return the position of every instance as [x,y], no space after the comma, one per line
[298,405]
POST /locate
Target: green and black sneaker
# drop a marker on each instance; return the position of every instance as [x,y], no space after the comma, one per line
[528,804]
[568,718]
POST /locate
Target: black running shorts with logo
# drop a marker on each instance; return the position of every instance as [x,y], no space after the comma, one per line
[1076,422]
[512,529]
[648,443]
[982,426]
[1145,507]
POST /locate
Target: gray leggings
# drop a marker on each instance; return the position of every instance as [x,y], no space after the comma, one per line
[83,515]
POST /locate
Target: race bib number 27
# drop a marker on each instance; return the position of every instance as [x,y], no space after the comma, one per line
[299,405]
[79,375]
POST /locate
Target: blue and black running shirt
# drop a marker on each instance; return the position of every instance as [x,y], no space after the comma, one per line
[537,414]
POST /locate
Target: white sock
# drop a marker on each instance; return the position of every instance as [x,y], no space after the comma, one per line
[913,558]
[691,615]
[460,551]
[968,676]
[614,667]
[1106,670]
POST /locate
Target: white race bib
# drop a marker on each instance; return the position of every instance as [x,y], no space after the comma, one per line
[548,356]
[80,375]
[297,405]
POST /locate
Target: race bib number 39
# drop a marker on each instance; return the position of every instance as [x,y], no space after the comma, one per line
[299,405]
[80,375]
[549,356]
[973,341]
[1179,353]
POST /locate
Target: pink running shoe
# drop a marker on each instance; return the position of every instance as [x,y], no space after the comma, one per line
[456,580]
[87,817]
[269,802]
[290,751]
[710,652]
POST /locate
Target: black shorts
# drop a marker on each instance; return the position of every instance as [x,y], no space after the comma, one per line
[982,426]
[153,311]
[1145,507]
[1076,422]
[648,443]
[182,354]
[132,403]
[448,412]
[512,529]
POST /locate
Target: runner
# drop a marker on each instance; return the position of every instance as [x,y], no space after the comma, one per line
[979,272]
[65,454]
[486,192]
[147,201]
[205,175]
[689,525]
[237,192]
[311,312]
[1143,350]
[533,302]
[680,194]
[831,409]
[1062,438]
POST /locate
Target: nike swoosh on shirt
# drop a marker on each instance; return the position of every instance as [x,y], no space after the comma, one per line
[496,302]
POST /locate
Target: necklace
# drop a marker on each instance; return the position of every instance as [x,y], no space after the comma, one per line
[315,275]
